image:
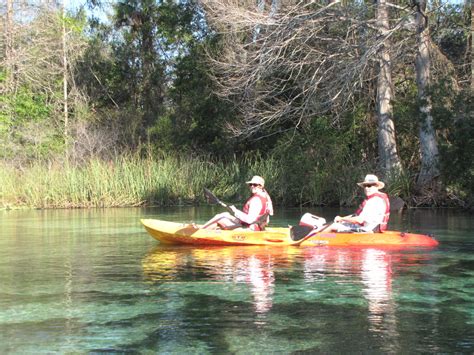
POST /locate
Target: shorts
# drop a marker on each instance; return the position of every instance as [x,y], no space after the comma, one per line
[349,227]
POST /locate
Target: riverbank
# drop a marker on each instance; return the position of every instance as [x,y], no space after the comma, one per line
[129,181]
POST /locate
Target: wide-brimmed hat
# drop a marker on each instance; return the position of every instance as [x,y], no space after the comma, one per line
[371,180]
[258,180]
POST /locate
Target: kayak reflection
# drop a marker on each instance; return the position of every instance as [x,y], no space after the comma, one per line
[259,267]
[375,268]
[254,266]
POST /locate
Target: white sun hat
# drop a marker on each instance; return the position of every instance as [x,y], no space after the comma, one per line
[371,180]
[256,180]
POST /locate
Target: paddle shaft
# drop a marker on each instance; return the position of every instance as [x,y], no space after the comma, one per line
[213,199]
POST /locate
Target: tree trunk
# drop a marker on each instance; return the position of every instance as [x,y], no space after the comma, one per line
[389,160]
[428,144]
[472,46]
[8,45]
[149,97]
[65,76]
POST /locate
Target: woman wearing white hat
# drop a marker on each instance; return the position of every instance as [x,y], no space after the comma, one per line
[255,213]
[372,215]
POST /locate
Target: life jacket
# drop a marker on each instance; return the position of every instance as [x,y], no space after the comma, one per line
[386,217]
[264,211]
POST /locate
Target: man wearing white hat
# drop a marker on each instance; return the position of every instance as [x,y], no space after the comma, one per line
[372,215]
[259,206]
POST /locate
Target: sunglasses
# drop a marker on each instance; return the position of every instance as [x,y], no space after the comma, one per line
[252,185]
[370,185]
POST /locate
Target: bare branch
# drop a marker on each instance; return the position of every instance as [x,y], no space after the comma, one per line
[305,59]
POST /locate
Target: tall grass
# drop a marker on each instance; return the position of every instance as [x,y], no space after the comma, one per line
[126,181]
[176,180]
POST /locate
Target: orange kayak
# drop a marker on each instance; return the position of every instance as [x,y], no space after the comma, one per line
[179,233]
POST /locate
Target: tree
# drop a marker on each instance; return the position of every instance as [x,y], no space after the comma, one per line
[65,72]
[139,21]
[32,115]
[287,66]
[472,46]
[8,27]
[428,144]
[284,68]
[387,146]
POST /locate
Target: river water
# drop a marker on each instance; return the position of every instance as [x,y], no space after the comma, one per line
[93,281]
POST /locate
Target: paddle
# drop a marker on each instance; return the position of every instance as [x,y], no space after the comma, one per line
[302,233]
[211,198]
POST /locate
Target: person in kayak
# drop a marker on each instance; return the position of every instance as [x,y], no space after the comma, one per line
[373,214]
[254,215]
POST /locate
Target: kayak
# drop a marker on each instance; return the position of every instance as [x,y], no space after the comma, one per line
[179,233]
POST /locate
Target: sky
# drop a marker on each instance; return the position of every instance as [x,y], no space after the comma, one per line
[77,4]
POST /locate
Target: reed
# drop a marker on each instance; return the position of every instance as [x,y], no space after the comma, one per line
[125,181]
[130,180]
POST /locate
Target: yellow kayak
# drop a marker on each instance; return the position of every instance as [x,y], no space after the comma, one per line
[179,233]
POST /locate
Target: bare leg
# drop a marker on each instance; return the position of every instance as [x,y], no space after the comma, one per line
[338,227]
[223,220]
[331,228]
[214,220]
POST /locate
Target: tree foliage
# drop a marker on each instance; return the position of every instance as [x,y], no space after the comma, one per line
[31,98]
[293,82]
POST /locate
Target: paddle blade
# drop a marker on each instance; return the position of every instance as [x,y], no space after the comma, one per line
[299,232]
[210,197]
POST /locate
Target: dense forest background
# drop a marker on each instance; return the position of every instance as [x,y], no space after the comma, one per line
[139,102]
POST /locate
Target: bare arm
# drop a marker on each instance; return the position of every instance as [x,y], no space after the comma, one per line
[350,218]
[252,215]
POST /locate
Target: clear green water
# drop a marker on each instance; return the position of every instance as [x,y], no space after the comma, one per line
[93,281]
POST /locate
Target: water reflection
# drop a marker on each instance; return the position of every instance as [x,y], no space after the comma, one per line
[94,281]
[254,266]
[376,276]
[376,270]
[258,267]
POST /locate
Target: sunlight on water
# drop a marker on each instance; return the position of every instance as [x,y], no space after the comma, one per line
[93,281]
